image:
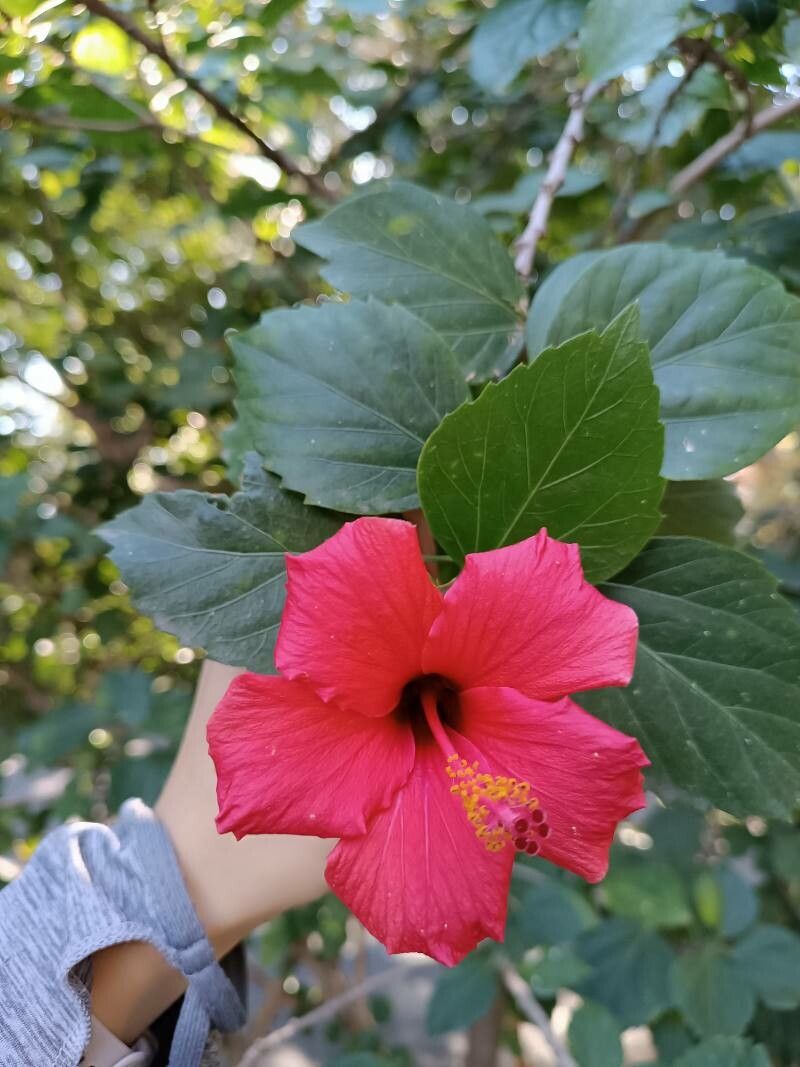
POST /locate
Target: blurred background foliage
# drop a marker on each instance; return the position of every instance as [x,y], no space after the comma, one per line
[152,169]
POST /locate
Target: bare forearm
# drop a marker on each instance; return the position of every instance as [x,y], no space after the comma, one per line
[234,885]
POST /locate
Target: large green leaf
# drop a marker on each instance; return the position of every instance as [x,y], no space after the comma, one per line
[594,1037]
[339,400]
[403,244]
[724,337]
[462,995]
[571,442]
[715,699]
[770,955]
[516,31]
[713,991]
[210,569]
[725,1052]
[630,970]
[617,34]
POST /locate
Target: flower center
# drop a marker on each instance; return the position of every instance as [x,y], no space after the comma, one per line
[501,809]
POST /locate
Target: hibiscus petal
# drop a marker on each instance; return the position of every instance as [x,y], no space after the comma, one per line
[420,880]
[586,774]
[524,616]
[358,610]
[288,763]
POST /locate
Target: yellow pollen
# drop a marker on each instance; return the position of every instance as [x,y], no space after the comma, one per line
[500,809]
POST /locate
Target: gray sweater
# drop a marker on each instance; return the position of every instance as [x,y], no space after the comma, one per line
[86,887]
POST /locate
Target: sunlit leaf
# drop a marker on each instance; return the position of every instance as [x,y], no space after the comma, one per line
[102,47]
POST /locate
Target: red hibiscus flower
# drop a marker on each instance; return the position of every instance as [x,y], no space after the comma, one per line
[432,733]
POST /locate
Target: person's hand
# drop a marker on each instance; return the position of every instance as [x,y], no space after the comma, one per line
[235,885]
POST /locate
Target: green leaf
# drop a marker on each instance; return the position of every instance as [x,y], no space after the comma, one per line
[559,968]
[723,337]
[715,699]
[571,442]
[58,733]
[770,956]
[402,244]
[520,198]
[594,1037]
[671,1038]
[725,1052]
[516,31]
[739,901]
[20,8]
[127,695]
[646,118]
[648,891]
[713,992]
[710,509]
[210,568]
[139,778]
[784,854]
[550,914]
[759,14]
[340,398]
[461,996]
[766,151]
[13,489]
[103,48]
[618,34]
[275,10]
[630,970]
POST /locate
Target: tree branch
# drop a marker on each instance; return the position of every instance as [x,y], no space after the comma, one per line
[325,1012]
[535,1013]
[571,136]
[741,132]
[157,48]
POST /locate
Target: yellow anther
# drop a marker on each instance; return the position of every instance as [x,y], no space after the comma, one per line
[500,808]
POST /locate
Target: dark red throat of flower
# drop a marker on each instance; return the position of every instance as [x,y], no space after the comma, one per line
[502,810]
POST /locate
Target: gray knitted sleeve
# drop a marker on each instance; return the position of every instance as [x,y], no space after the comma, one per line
[87,887]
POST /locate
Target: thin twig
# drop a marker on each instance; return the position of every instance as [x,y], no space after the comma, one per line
[741,132]
[157,48]
[327,1011]
[535,1013]
[570,138]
